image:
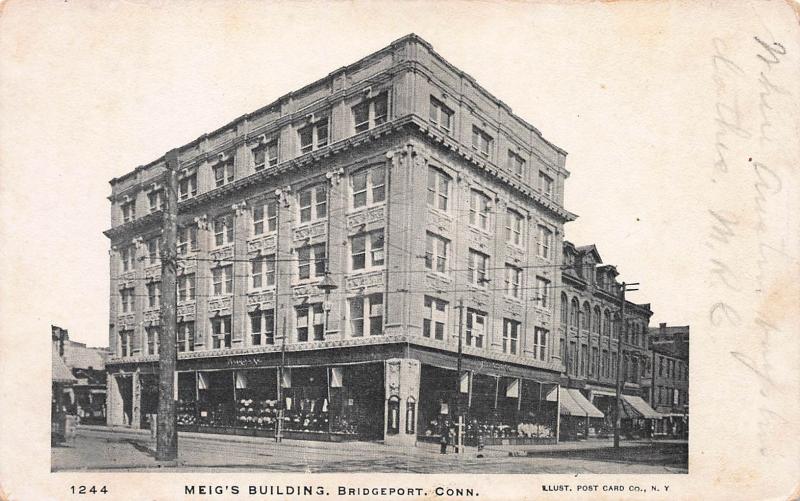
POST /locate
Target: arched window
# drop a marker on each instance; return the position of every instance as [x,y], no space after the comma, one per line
[573,312]
[587,316]
[564,307]
[596,320]
[606,323]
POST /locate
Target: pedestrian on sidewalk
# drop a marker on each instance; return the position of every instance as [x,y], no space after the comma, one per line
[444,440]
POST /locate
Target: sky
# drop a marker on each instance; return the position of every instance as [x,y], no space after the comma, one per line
[100,88]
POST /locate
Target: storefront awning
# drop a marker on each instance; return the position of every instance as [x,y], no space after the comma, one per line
[639,407]
[61,374]
[569,407]
[588,409]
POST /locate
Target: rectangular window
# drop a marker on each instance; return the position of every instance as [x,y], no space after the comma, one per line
[187,239]
[481,141]
[313,136]
[435,318]
[313,203]
[540,336]
[542,292]
[438,189]
[479,208]
[262,327]
[441,115]
[515,223]
[156,200]
[604,364]
[221,332]
[436,252]
[126,299]
[310,322]
[187,187]
[186,285]
[223,173]
[153,251]
[593,362]
[371,112]
[265,217]
[546,184]
[369,186]
[154,294]
[476,328]
[125,343]
[516,163]
[366,250]
[510,336]
[185,336]
[478,263]
[262,271]
[223,230]
[128,211]
[152,340]
[372,306]
[266,155]
[127,256]
[222,278]
[311,261]
[513,281]
[545,242]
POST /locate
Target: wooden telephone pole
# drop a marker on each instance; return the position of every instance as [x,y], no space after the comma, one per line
[166,433]
[620,382]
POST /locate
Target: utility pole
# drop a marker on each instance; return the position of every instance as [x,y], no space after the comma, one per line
[281,400]
[618,417]
[457,409]
[166,432]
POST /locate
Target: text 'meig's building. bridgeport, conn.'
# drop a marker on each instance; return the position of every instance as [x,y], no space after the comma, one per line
[402,187]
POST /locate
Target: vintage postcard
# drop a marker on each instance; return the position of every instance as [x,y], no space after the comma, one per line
[419,250]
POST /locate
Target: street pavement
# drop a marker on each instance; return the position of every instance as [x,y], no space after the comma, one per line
[99,448]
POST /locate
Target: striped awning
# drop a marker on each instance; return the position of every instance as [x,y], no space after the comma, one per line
[573,403]
[638,408]
[589,409]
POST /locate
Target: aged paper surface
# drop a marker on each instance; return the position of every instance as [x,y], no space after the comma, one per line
[680,120]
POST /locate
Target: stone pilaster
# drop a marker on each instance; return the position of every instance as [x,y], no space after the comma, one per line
[401,409]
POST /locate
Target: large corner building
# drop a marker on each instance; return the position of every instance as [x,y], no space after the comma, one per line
[422,198]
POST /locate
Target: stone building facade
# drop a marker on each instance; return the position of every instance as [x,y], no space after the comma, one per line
[414,191]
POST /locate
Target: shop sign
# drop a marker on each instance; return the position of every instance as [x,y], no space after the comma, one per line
[246,361]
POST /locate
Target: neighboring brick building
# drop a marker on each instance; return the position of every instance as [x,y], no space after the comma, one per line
[410,187]
[590,334]
[669,391]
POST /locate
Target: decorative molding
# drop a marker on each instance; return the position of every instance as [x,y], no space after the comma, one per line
[221,254]
[365,216]
[263,245]
[354,283]
[310,230]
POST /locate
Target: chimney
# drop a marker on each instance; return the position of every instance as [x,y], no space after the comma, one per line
[662,329]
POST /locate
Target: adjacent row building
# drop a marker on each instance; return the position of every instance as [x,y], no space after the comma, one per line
[335,244]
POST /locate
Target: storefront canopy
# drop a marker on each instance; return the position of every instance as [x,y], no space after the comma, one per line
[638,408]
[589,409]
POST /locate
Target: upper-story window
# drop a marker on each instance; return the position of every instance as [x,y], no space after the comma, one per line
[481,141]
[187,186]
[262,271]
[156,200]
[128,211]
[435,318]
[479,209]
[311,261]
[440,115]
[542,292]
[153,251]
[513,281]
[265,218]
[510,336]
[125,341]
[540,336]
[516,163]
[436,252]
[546,184]
[223,173]
[606,323]
[477,267]
[476,328]
[515,224]
[154,294]
[310,322]
[596,320]
[369,186]
[371,112]
[438,189]
[153,334]
[126,299]
[574,308]
[366,315]
[564,309]
[186,285]
[223,230]
[313,203]
[221,332]
[222,280]
[366,250]
[314,135]
[262,327]
[187,239]
[586,315]
[127,256]
[545,242]
[265,155]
